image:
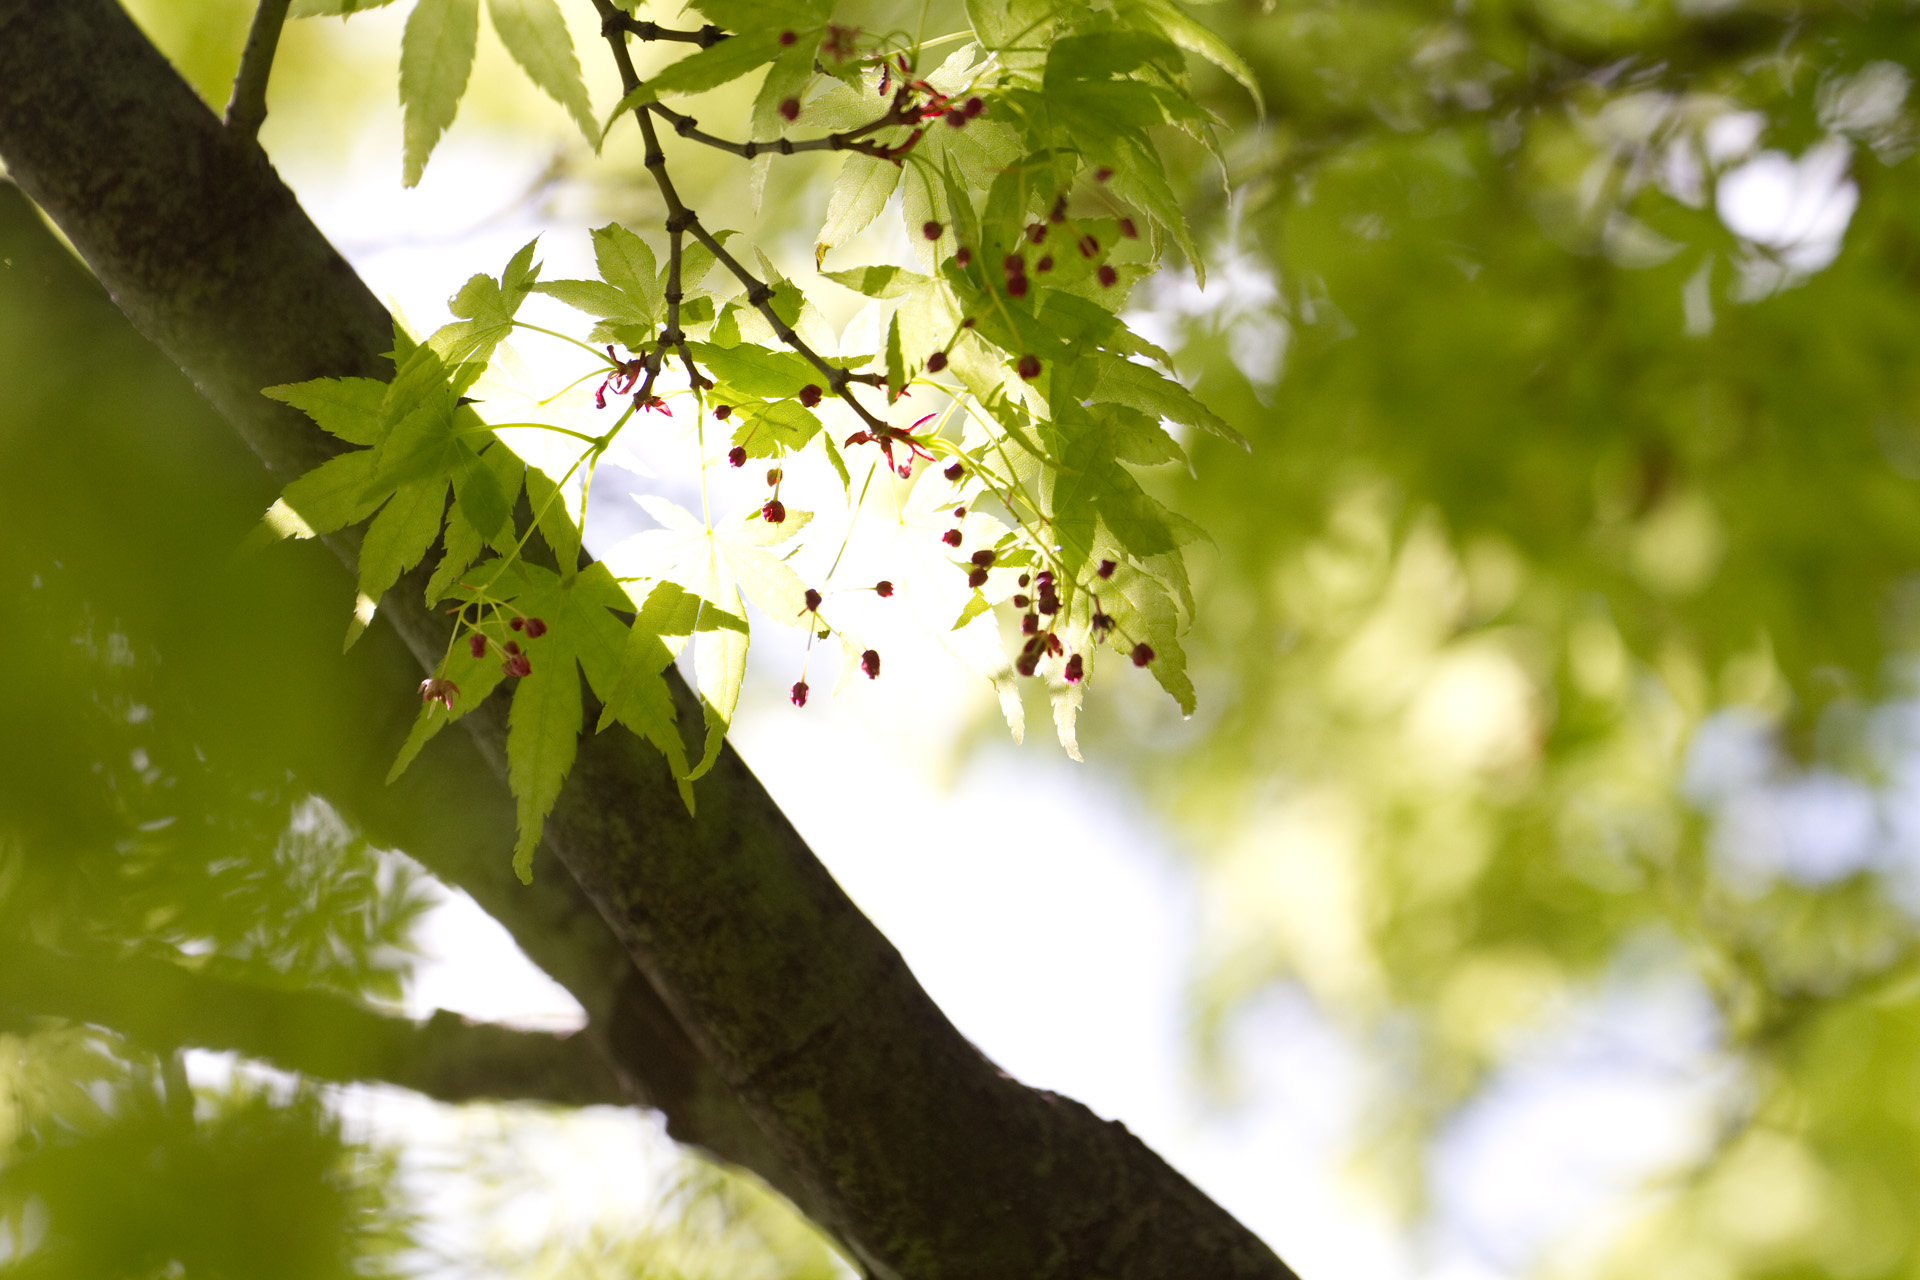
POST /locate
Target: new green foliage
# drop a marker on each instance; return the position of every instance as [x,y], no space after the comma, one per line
[1035,196]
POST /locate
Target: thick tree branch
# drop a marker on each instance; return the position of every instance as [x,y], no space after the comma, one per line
[164,1006]
[924,1157]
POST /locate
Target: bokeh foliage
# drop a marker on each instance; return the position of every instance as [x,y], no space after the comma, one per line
[1563,493]
[1554,473]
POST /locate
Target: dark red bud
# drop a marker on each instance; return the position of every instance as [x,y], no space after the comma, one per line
[774,512]
[516,623]
[977,579]
[798,694]
[1036,231]
[883,588]
[1107,276]
[966,323]
[954,472]
[1029,367]
[1101,175]
[870,663]
[813,600]
[1102,623]
[974,107]
[477,645]
[1142,654]
[983,558]
[790,109]
[958,119]
[723,411]
[510,647]
[936,362]
[1075,669]
[535,628]
[1016,286]
[951,537]
[1045,264]
[787,38]
[1014,265]
[1059,211]
[517,665]
[1026,663]
[1054,647]
[774,475]
[737,456]
[810,395]
[962,256]
[931,230]
[1128,230]
[1029,625]
[1025,578]
[1106,568]
[959,513]
[1021,602]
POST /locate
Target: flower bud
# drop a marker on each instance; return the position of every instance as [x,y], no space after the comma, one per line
[1142,654]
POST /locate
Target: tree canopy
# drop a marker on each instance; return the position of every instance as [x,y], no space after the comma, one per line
[1493,425]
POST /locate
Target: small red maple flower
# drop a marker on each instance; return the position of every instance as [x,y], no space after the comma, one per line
[890,436]
[798,694]
[652,404]
[774,512]
[954,472]
[787,38]
[1142,654]
[517,665]
[477,645]
[1108,276]
[790,110]
[958,119]
[951,537]
[977,579]
[1076,669]
[737,456]
[535,628]
[1128,230]
[1029,367]
[625,377]
[514,624]
[1016,286]
[813,601]
[1044,265]
[962,257]
[936,362]
[440,691]
[883,588]
[1106,568]
[809,395]
[931,230]
[722,412]
[974,107]
[870,663]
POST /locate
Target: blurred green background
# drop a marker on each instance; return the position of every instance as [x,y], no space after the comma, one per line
[1556,640]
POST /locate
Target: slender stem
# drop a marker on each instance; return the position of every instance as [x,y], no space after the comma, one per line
[706,37]
[247,108]
[598,354]
[849,140]
[682,219]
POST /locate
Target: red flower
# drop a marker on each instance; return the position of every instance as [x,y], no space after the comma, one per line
[440,691]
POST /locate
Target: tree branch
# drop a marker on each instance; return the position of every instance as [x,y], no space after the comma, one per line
[164,1006]
[247,107]
[924,1157]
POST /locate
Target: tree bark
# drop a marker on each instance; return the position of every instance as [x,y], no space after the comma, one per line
[914,1149]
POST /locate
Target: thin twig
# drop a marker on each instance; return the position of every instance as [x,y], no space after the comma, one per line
[682,220]
[247,108]
[706,37]
[851,140]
